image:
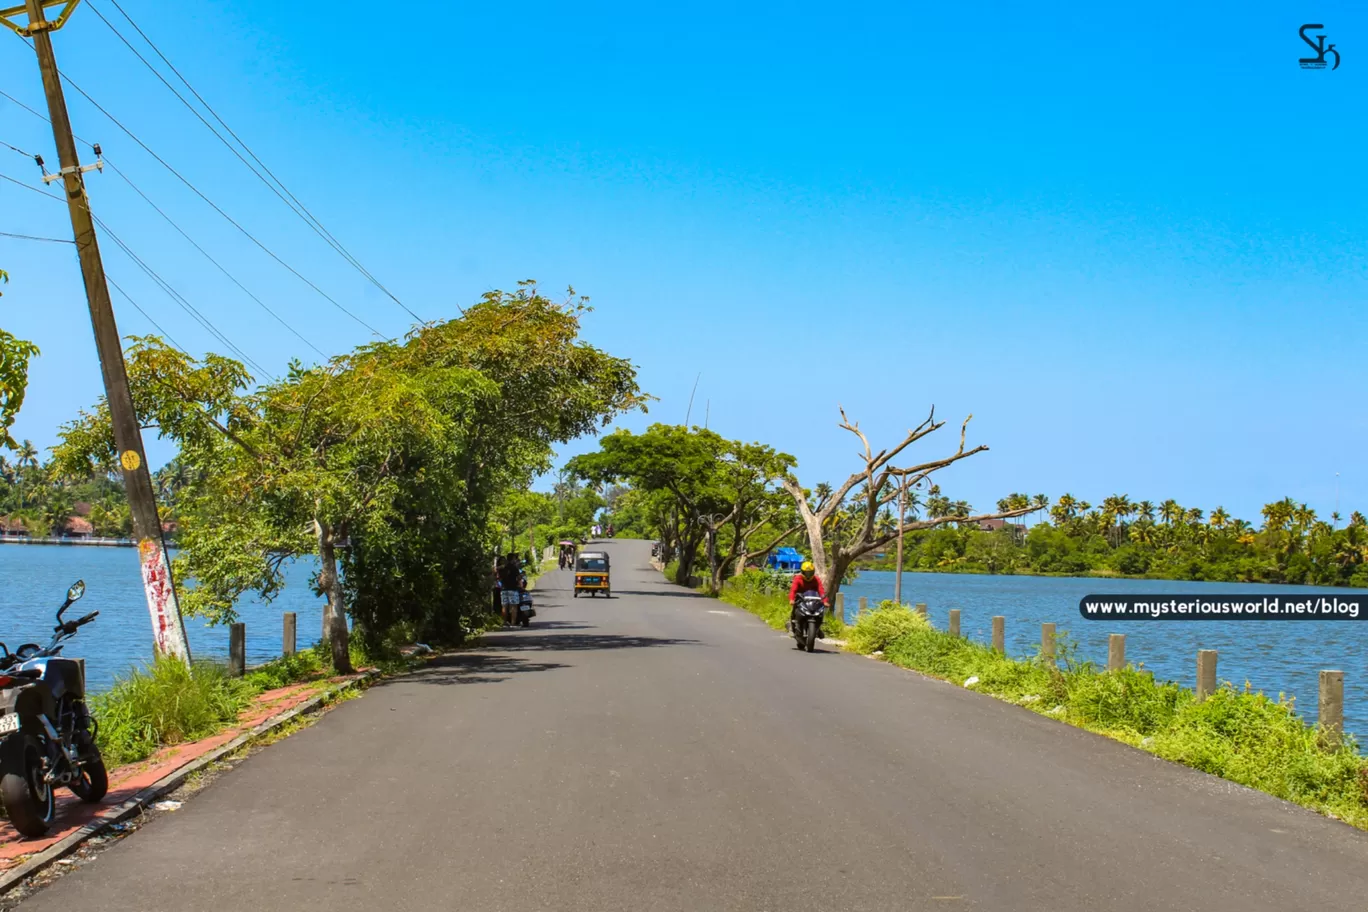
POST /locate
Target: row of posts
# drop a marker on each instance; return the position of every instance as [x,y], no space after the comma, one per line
[1330,715]
[237,644]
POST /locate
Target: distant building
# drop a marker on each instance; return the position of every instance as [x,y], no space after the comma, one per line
[14,528]
[996,525]
[78,527]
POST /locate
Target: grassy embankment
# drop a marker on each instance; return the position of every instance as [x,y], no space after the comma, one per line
[1239,735]
[167,703]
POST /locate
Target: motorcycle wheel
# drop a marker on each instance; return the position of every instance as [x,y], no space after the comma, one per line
[27,798]
[527,622]
[93,782]
[810,638]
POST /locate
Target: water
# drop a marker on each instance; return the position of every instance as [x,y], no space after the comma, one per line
[34,580]
[1272,656]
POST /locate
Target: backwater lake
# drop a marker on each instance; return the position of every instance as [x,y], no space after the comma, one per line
[34,581]
[1272,656]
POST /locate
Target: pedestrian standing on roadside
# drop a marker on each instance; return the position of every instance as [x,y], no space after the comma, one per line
[510,585]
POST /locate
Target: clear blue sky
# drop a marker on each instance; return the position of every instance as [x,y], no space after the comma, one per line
[1130,240]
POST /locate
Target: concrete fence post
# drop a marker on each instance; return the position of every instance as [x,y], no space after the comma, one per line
[999,633]
[1047,643]
[954,622]
[864,606]
[237,649]
[839,608]
[1206,673]
[288,641]
[1331,707]
[1116,652]
[921,608]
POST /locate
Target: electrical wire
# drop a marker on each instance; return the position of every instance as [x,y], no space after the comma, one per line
[29,237]
[288,198]
[155,325]
[176,296]
[279,319]
[131,135]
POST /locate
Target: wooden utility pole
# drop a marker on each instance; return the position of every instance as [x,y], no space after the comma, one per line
[167,626]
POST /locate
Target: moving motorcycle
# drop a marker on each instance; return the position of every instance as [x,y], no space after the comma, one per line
[47,736]
[806,623]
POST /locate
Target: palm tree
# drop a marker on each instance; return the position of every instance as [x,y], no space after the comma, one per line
[1145,509]
[1065,509]
[1170,511]
[1219,518]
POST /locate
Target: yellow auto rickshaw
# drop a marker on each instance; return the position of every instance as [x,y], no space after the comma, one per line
[591,573]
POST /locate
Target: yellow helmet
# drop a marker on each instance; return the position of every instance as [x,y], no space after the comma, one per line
[807,568]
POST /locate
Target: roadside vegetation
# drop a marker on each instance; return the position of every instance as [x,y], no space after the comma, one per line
[166,703]
[1238,734]
[401,468]
[765,595]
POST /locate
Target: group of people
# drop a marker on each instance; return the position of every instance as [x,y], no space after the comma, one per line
[599,531]
[567,556]
[510,582]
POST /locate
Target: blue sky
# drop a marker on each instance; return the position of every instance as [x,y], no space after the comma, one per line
[1130,240]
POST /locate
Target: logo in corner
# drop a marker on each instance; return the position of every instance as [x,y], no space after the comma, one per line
[1320,47]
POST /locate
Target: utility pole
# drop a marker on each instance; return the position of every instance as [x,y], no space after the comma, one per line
[167,627]
[902,513]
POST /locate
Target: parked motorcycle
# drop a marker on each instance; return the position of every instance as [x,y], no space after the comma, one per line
[47,736]
[806,624]
[525,610]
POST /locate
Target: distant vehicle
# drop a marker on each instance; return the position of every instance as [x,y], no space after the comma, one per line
[785,559]
[591,573]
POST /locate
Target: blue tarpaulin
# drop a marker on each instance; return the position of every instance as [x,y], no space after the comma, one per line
[785,559]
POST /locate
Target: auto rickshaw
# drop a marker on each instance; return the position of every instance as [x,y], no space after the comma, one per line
[591,573]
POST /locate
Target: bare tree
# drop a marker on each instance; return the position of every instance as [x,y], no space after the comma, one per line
[841,535]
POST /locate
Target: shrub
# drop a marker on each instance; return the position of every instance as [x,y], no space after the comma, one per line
[166,703]
[875,630]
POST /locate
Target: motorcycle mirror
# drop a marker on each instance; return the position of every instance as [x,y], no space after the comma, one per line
[76,591]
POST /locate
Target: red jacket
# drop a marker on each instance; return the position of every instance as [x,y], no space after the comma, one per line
[803,584]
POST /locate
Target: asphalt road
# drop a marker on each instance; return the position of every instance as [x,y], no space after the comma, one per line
[658,751]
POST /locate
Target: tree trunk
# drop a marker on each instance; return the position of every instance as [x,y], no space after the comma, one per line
[334,614]
[714,565]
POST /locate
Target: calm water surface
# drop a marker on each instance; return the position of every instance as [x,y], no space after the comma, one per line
[1273,656]
[34,580]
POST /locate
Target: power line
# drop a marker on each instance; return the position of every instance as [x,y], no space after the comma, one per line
[177,296]
[272,254]
[279,319]
[152,274]
[29,237]
[288,198]
[155,324]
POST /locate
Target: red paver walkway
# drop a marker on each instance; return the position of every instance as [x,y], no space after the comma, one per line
[127,781]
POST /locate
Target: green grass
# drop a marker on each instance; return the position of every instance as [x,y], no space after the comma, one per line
[1239,735]
[763,597]
[167,703]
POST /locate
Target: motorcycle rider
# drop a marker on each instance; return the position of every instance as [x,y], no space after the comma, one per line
[805,580]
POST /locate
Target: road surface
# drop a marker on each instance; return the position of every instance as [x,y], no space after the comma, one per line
[660,751]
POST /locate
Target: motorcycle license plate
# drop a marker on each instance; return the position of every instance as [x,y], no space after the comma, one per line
[9,723]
